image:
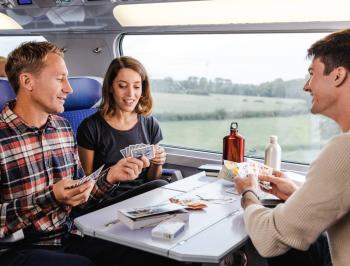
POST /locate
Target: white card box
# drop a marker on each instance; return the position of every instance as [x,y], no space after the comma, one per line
[168,229]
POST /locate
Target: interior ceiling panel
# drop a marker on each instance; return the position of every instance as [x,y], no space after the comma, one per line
[52,3]
[96,16]
[145,1]
[14,4]
[67,14]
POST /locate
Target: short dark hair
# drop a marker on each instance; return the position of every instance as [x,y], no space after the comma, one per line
[28,57]
[333,50]
[108,105]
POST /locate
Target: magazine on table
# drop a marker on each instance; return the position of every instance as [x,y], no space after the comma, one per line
[136,218]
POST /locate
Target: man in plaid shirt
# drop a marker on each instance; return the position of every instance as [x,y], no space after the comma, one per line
[38,159]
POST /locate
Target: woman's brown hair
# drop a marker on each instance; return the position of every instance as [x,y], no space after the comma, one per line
[108,104]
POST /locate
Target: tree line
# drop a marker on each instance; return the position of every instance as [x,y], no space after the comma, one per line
[202,86]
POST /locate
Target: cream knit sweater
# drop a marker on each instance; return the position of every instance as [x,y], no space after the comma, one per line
[321,204]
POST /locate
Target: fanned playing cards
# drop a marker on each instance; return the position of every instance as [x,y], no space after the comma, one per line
[139,150]
[85,179]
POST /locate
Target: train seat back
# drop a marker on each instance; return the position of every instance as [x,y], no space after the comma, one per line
[6,92]
[84,100]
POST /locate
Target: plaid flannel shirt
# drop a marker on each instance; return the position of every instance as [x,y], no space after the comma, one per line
[31,161]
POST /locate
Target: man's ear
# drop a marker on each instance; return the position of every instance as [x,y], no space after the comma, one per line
[340,76]
[26,81]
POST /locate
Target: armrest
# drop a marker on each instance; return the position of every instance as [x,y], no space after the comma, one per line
[171,175]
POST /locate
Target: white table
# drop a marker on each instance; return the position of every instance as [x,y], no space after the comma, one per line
[211,233]
[191,182]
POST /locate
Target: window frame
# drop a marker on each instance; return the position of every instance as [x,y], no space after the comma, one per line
[180,155]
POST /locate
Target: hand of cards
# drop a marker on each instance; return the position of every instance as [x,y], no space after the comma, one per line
[138,151]
[85,179]
[233,169]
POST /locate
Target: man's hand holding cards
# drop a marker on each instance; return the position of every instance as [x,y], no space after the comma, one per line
[139,150]
[232,169]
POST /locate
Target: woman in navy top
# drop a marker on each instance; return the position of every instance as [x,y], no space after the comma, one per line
[123,119]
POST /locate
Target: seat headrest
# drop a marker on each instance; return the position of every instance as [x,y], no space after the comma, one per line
[87,91]
[6,92]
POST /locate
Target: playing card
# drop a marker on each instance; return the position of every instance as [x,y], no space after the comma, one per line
[150,151]
[123,152]
[147,151]
[138,146]
[137,153]
[128,153]
[85,179]
[133,147]
[265,184]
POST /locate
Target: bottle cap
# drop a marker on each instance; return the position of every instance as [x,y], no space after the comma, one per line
[234,126]
[273,139]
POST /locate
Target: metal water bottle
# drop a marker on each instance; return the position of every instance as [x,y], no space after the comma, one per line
[233,145]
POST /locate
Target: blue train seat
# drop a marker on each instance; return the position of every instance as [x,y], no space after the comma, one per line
[84,100]
[87,92]
[6,92]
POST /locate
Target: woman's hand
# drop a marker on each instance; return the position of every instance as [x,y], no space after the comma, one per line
[160,155]
[127,169]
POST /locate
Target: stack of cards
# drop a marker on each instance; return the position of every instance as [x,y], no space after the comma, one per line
[85,179]
[231,169]
[138,151]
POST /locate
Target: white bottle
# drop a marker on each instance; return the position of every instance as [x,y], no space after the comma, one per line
[273,153]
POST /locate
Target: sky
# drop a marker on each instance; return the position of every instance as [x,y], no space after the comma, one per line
[243,58]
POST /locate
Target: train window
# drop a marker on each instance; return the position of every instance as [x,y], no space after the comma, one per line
[202,82]
[9,43]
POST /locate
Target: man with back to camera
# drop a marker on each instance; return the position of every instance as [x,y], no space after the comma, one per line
[39,160]
[2,67]
[322,203]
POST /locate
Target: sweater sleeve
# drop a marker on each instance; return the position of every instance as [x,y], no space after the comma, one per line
[316,206]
